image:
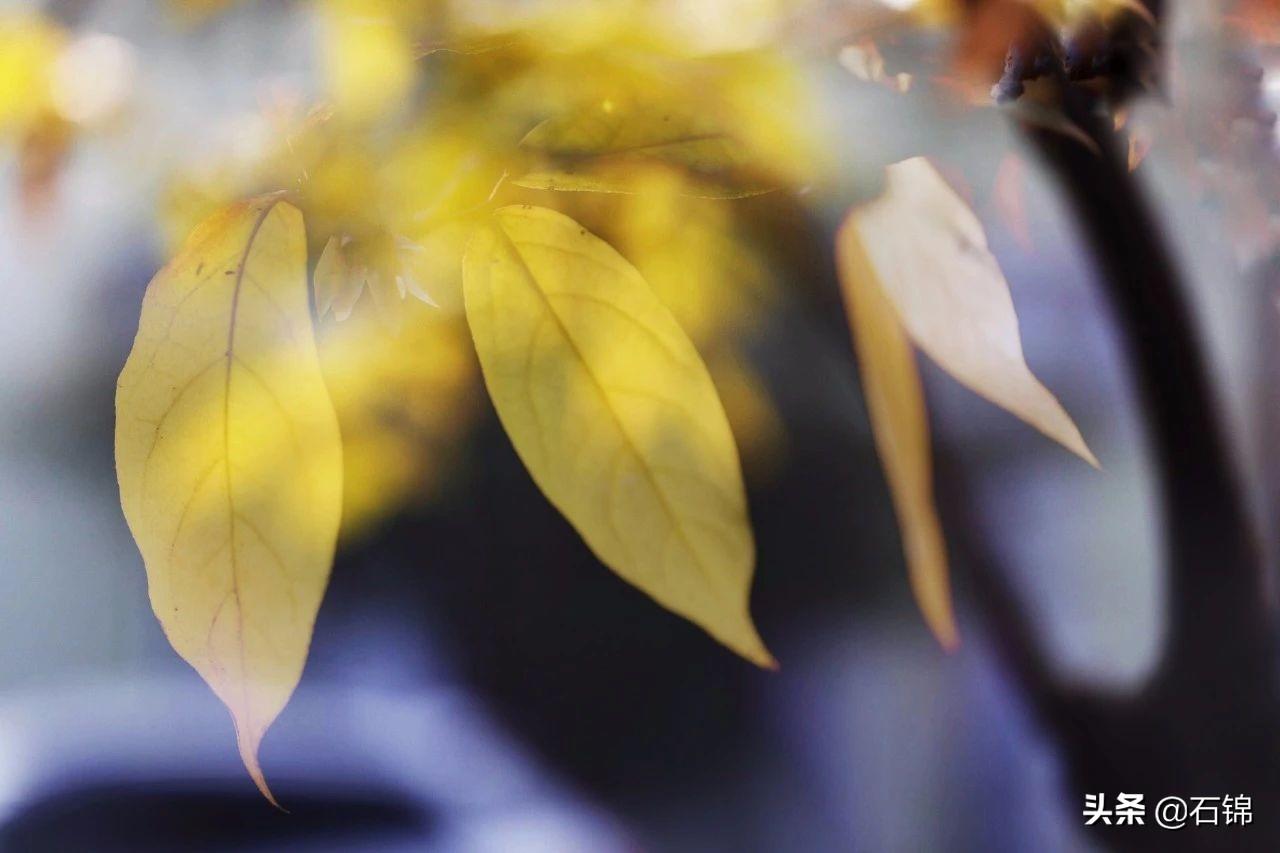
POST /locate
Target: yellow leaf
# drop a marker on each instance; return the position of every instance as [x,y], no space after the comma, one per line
[613,412]
[900,424]
[229,460]
[613,144]
[915,268]
[929,254]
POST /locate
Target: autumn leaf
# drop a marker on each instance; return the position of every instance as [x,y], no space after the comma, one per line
[613,412]
[229,460]
[915,268]
[900,425]
[613,145]
[930,257]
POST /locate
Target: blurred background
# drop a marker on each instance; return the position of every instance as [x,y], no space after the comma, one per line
[477,680]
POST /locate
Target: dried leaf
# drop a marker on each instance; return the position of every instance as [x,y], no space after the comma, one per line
[229,460]
[613,412]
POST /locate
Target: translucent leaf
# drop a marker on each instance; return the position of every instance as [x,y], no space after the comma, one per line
[613,412]
[900,424]
[337,285]
[229,460]
[929,255]
[379,264]
[915,268]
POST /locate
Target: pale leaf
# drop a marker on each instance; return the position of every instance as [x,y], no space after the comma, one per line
[336,284]
[929,254]
[613,412]
[229,460]
[915,268]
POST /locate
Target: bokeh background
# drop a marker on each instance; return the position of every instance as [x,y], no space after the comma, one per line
[478,681]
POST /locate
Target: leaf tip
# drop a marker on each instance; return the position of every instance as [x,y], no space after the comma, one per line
[1073,441]
[249,755]
[927,573]
[947,636]
[762,658]
[941,621]
[751,647]
[1087,455]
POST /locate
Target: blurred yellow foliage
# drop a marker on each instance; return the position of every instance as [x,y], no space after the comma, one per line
[369,56]
[1060,13]
[438,112]
[29,48]
[404,402]
[52,86]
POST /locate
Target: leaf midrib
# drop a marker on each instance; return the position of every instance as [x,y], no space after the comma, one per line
[626,436]
[226,452]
